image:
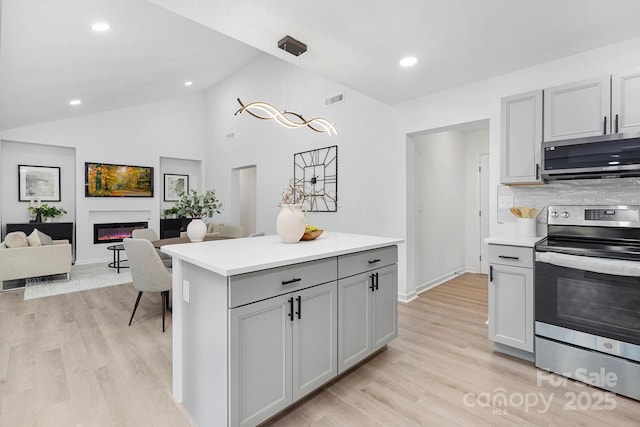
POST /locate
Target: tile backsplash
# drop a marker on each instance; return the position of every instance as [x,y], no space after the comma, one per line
[618,191]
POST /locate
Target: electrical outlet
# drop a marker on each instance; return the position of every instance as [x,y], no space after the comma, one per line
[185,291]
[505,202]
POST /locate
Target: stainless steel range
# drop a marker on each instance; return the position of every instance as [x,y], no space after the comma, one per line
[587,296]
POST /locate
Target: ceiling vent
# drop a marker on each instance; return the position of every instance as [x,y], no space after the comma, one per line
[334,99]
[293,46]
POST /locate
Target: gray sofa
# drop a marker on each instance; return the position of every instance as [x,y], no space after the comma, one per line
[34,261]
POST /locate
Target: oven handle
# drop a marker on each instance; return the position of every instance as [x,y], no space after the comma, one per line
[614,267]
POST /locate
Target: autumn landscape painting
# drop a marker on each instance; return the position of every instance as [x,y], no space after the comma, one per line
[109,180]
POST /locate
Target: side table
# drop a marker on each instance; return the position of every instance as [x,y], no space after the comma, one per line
[116,257]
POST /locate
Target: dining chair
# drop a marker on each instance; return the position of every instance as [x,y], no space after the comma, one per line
[151,235]
[148,272]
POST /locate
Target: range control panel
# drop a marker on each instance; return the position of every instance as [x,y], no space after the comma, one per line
[607,216]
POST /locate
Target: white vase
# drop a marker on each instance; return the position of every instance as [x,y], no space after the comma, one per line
[291,222]
[196,230]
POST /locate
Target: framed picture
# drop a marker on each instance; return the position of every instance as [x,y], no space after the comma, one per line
[174,185]
[38,183]
[109,180]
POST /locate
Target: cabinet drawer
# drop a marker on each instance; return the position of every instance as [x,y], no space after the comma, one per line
[360,262]
[517,256]
[259,285]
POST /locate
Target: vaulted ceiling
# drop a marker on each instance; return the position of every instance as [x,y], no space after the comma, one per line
[49,55]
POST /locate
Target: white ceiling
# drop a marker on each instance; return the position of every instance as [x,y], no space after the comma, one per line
[48,54]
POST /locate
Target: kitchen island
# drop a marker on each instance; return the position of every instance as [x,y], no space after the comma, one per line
[258,324]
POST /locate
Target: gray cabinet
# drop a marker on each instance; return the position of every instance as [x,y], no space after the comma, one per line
[579,109]
[521,138]
[511,304]
[367,304]
[281,349]
[625,101]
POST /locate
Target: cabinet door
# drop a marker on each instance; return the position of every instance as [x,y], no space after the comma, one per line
[521,136]
[578,109]
[384,311]
[260,359]
[625,101]
[354,304]
[315,338]
[511,306]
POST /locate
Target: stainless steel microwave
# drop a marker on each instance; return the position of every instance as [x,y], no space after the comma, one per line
[605,156]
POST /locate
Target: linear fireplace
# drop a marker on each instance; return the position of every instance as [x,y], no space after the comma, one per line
[115,231]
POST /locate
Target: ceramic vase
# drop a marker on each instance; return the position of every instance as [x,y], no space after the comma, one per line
[196,230]
[291,222]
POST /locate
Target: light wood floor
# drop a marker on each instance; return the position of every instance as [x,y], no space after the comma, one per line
[71,360]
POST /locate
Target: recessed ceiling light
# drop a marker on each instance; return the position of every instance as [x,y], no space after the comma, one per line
[100,27]
[188,83]
[408,61]
[75,102]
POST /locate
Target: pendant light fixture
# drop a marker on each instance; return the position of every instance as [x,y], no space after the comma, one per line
[289,119]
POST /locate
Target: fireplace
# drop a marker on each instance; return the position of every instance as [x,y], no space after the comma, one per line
[115,231]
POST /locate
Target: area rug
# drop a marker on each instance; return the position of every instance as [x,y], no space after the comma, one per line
[81,278]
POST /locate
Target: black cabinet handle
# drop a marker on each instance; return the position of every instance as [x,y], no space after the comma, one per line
[291,309]
[373,261]
[377,281]
[372,286]
[605,125]
[537,170]
[491,273]
[616,123]
[288,282]
[515,258]
[299,312]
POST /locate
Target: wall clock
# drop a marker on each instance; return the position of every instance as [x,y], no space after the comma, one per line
[316,173]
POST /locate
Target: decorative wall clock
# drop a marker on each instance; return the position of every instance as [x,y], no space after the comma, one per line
[316,173]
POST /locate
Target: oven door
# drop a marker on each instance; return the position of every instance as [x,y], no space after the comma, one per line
[597,302]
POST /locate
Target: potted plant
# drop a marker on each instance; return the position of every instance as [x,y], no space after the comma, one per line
[171,212]
[196,206]
[46,212]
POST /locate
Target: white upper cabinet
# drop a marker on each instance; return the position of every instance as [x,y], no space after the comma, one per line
[625,101]
[577,110]
[520,138]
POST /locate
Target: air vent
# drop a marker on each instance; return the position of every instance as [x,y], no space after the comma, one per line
[334,99]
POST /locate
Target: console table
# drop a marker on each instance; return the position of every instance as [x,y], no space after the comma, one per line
[171,227]
[57,231]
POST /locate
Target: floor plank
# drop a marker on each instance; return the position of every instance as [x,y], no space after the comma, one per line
[71,360]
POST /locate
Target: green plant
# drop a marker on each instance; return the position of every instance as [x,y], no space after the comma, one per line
[47,211]
[195,205]
[173,210]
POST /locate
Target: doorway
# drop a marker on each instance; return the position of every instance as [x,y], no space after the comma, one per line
[243,197]
[448,193]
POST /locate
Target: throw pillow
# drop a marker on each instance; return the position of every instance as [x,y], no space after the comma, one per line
[214,227]
[16,239]
[38,238]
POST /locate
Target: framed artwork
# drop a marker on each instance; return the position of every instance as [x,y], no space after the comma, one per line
[109,180]
[38,183]
[316,172]
[174,185]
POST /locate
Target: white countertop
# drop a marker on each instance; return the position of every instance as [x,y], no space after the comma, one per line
[236,256]
[527,242]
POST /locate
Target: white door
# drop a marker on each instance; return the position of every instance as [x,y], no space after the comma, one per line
[484,211]
[625,101]
[354,305]
[244,198]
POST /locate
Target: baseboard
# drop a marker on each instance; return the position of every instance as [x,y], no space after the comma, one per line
[439,281]
[407,297]
[94,261]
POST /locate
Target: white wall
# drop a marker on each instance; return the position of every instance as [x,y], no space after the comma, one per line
[16,153]
[137,135]
[440,206]
[370,168]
